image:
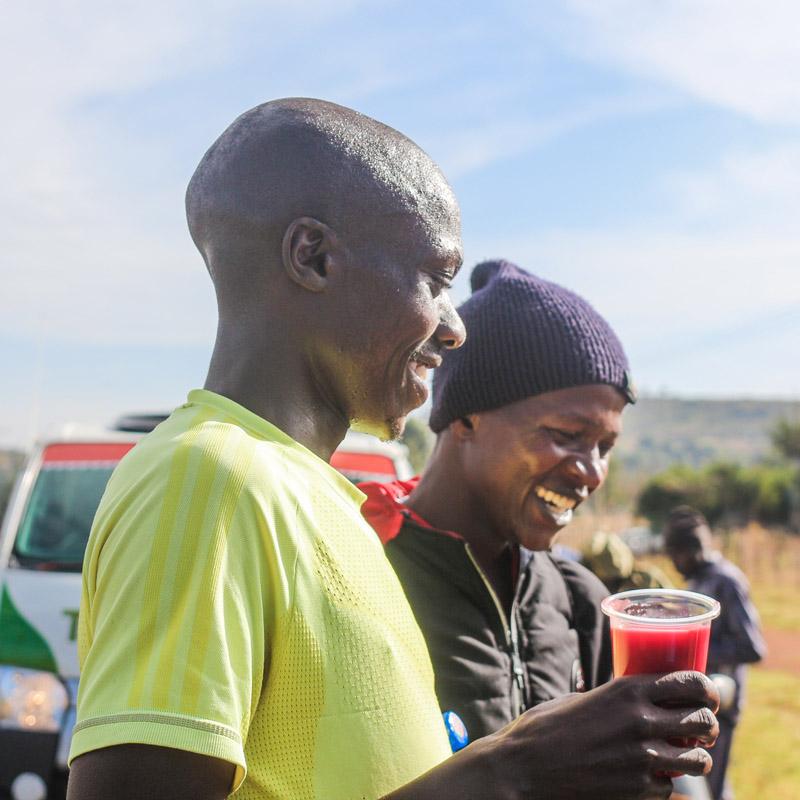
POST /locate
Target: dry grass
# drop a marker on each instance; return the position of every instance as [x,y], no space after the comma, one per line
[769,558]
[765,761]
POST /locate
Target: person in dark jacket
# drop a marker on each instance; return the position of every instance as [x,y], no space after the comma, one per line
[526,415]
[736,638]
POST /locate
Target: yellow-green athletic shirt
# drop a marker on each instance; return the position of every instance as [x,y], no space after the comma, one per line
[236,604]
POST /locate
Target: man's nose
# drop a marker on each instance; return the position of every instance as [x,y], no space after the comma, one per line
[451,332]
[588,469]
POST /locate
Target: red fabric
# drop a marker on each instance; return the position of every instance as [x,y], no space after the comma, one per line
[383,508]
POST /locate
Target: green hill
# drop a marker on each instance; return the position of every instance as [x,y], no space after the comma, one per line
[660,431]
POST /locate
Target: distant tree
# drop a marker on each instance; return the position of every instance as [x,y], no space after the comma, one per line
[10,464]
[5,491]
[776,486]
[727,494]
[676,486]
[786,438]
[419,439]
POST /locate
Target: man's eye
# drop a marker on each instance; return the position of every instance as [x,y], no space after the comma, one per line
[563,436]
[442,280]
[604,448]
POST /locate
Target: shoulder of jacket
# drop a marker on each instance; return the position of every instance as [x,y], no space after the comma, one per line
[581,582]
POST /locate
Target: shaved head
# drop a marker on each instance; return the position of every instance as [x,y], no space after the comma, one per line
[299,157]
[331,240]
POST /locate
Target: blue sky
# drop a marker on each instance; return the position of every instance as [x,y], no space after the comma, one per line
[645,153]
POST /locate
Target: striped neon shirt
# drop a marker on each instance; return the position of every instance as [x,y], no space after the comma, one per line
[236,604]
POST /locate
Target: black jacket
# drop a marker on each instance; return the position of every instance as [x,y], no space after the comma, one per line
[489,667]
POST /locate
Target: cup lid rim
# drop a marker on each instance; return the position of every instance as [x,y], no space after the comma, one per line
[710,603]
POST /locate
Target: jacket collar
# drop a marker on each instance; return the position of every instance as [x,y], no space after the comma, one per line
[386,511]
[385,508]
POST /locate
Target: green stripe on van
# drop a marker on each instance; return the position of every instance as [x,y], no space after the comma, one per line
[21,645]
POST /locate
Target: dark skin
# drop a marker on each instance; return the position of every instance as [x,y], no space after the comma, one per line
[689,549]
[331,278]
[484,475]
[331,285]
[149,773]
[607,744]
[371,313]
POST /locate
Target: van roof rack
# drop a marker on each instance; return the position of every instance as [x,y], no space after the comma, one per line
[138,423]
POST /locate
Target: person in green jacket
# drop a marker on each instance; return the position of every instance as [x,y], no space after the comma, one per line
[608,557]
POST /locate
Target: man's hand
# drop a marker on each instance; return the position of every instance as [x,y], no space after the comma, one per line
[612,743]
[138,771]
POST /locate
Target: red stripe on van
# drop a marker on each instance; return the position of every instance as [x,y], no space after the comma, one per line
[363,462]
[86,451]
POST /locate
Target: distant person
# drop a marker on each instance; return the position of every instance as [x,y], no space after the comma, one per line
[736,637]
[612,560]
[526,414]
[241,629]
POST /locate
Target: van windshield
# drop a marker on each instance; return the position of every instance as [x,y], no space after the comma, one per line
[62,505]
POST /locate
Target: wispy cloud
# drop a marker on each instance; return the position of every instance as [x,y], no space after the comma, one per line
[756,188]
[736,54]
[667,293]
[84,254]
[486,141]
[70,254]
[108,109]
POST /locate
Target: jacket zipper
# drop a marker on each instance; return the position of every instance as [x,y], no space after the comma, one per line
[510,631]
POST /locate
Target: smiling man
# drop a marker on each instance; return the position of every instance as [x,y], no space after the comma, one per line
[526,413]
[236,610]
[241,630]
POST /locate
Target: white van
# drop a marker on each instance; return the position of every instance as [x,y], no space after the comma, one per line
[42,542]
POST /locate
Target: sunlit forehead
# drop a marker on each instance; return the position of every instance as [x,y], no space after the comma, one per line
[596,416]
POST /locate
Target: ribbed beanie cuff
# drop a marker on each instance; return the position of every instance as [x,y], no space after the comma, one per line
[525,336]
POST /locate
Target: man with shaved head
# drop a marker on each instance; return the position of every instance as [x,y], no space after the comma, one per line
[337,202]
[241,630]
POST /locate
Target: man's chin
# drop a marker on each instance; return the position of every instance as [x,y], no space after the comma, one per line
[387,431]
[540,535]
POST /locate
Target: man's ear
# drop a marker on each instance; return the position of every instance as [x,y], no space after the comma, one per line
[307,249]
[464,428]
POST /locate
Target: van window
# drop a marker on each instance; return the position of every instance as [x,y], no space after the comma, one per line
[62,504]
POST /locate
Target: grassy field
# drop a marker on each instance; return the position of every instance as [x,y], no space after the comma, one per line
[765,760]
[765,763]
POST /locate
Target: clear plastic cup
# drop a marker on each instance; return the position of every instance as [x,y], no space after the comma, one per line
[659,630]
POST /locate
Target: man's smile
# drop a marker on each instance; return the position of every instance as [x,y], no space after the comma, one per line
[553,498]
[418,365]
[421,362]
[559,507]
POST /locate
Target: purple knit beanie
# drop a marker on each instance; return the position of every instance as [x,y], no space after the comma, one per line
[525,336]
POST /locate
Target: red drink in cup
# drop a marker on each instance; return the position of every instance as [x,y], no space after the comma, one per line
[660,630]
